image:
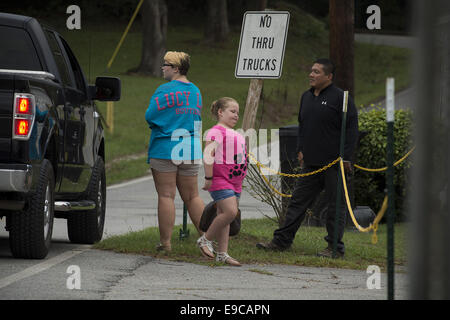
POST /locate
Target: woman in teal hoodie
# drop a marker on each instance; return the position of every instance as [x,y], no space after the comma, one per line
[175,151]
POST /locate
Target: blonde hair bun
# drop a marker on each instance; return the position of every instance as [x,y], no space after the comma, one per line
[221,104]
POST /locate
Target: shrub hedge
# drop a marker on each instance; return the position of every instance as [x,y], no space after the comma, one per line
[369,187]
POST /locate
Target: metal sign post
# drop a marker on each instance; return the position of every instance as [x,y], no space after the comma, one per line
[390,184]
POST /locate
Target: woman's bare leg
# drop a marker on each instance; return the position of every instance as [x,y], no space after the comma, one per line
[188,189]
[165,183]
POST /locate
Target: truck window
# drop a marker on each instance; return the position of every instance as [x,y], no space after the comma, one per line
[59,58]
[76,69]
[17,51]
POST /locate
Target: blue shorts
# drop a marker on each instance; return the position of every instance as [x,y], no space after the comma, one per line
[218,195]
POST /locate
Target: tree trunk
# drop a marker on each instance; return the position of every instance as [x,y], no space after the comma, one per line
[262,4]
[342,43]
[154,24]
[217,27]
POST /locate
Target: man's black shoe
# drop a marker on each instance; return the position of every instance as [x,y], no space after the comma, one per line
[328,253]
[269,246]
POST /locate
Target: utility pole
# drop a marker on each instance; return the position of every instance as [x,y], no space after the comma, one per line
[341,39]
[342,42]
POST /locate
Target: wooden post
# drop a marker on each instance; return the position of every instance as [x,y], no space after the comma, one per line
[254,92]
[251,105]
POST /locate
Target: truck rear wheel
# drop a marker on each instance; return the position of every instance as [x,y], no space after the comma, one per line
[87,226]
[30,233]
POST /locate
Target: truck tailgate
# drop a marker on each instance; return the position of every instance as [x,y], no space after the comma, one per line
[6,113]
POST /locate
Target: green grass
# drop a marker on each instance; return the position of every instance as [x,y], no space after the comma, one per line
[373,64]
[360,252]
[126,169]
[212,69]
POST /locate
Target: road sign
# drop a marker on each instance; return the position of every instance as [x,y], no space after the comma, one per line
[261,48]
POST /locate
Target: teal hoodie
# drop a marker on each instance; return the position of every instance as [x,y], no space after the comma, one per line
[174,116]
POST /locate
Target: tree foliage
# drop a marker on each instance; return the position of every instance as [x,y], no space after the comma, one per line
[395,13]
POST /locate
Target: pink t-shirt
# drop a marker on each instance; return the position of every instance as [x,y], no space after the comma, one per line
[230,161]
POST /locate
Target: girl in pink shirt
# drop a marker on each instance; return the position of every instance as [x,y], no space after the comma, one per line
[225,164]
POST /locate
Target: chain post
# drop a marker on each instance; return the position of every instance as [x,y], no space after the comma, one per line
[390,115]
[184,233]
[339,177]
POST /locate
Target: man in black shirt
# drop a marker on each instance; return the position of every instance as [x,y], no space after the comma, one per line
[320,120]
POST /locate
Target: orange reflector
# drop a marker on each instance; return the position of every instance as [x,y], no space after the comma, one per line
[22,127]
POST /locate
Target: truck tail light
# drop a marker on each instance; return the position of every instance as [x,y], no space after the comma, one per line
[22,127]
[24,110]
[23,105]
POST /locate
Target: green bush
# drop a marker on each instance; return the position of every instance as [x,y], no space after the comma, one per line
[370,186]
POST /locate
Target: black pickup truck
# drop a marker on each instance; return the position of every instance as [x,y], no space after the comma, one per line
[52,146]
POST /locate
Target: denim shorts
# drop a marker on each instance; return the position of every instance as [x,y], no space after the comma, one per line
[218,195]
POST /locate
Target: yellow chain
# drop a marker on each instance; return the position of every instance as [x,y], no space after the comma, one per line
[270,185]
[373,226]
[291,175]
[300,175]
[385,168]
[374,236]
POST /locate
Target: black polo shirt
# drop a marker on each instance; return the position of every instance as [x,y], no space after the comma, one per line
[320,121]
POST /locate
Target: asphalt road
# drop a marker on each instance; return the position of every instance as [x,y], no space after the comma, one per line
[386,40]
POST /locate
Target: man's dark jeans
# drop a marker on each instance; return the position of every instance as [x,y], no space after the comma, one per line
[305,192]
